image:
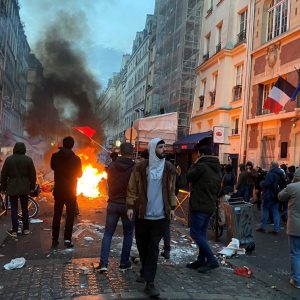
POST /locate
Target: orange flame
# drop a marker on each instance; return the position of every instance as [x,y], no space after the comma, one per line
[90,184]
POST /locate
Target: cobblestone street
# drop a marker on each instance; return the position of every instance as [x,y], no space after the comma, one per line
[70,273]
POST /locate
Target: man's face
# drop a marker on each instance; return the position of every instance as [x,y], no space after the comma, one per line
[160,150]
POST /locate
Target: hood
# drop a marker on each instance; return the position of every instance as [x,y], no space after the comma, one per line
[19,148]
[212,161]
[156,165]
[123,163]
[277,171]
[66,152]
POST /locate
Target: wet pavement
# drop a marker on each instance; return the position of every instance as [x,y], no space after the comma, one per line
[66,274]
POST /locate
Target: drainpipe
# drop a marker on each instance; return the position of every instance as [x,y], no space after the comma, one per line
[245,110]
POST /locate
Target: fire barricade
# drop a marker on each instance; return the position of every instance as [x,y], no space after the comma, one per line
[239,220]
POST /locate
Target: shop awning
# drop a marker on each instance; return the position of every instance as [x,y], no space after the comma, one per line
[189,141]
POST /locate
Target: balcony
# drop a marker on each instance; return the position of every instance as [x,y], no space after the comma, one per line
[237,92]
[235,131]
[218,48]
[206,56]
[212,96]
[241,37]
[201,103]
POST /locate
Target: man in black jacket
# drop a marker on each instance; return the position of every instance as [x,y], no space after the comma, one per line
[205,177]
[67,169]
[118,174]
[18,177]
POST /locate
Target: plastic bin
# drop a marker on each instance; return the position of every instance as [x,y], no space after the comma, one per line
[239,221]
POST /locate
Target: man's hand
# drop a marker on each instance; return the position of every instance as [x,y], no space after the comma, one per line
[172,215]
[130,214]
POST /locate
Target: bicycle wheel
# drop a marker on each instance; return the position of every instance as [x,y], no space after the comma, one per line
[212,224]
[33,209]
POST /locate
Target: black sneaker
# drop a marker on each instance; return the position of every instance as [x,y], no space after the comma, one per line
[195,265]
[165,254]
[151,291]
[54,244]
[101,268]
[126,266]
[68,244]
[12,233]
[208,266]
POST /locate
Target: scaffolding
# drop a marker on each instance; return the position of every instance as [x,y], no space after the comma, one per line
[177,52]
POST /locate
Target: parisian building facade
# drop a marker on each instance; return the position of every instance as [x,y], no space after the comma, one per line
[14,51]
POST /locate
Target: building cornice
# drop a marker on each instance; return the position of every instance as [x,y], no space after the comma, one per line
[220,55]
[213,112]
[292,34]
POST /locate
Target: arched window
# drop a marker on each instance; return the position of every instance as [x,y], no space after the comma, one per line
[277,18]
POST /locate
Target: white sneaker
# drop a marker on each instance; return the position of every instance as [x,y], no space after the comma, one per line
[292,282]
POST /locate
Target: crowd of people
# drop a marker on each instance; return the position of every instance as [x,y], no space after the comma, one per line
[143,195]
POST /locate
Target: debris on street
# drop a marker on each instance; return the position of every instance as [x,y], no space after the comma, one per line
[16,263]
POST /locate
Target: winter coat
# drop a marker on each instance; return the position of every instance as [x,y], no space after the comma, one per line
[269,185]
[205,176]
[67,168]
[242,181]
[228,182]
[18,174]
[292,194]
[118,174]
[137,188]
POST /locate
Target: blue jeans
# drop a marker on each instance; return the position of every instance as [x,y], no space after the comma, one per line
[113,213]
[274,206]
[295,258]
[14,212]
[199,223]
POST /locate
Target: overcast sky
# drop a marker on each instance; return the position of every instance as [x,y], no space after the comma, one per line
[111,27]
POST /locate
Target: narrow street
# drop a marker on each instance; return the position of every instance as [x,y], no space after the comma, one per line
[65,274]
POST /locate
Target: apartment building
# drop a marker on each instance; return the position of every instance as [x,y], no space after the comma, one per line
[221,75]
[275,51]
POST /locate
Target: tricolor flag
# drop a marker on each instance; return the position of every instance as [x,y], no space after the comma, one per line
[279,95]
[297,90]
[88,131]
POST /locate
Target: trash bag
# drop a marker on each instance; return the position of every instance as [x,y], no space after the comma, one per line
[16,263]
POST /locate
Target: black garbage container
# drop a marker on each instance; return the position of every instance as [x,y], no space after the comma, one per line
[239,221]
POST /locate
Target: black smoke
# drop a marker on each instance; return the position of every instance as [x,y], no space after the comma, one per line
[66,93]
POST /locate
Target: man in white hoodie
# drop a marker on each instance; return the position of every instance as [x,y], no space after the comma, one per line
[151,198]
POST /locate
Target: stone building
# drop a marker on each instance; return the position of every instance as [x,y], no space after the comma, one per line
[275,51]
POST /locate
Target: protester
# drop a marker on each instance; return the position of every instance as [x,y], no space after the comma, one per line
[67,169]
[118,174]
[18,178]
[228,181]
[151,194]
[205,178]
[251,178]
[291,194]
[269,194]
[242,182]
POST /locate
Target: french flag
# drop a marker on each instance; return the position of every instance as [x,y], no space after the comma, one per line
[280,94]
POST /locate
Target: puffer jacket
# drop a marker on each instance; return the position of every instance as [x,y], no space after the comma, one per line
[292,194]
[205,176]
[18,175]
[118,174]
[67,168]
[137,188]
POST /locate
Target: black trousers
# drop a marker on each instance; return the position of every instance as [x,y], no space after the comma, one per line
[148,234]
[70,204]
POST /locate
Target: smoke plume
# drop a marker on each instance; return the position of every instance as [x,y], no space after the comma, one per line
[66,94]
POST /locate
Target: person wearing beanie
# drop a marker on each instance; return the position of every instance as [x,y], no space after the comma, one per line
[291,195]
[151,198]
[18,178]
[67,169]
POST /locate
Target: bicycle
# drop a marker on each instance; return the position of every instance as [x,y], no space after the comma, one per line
[33,206]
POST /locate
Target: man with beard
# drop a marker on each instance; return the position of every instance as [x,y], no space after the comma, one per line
[67,169]
[205,178]
[151,195]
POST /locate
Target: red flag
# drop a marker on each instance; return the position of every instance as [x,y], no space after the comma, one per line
[88,131]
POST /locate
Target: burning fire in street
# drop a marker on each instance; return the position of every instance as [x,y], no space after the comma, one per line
[91,184]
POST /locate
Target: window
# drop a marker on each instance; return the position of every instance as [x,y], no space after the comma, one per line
[219,38]
[264,90]
[202,96]
[242,26]
[206,47]
[237,89]
[277,18]
[210,4]
[214,88]
[235,129]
